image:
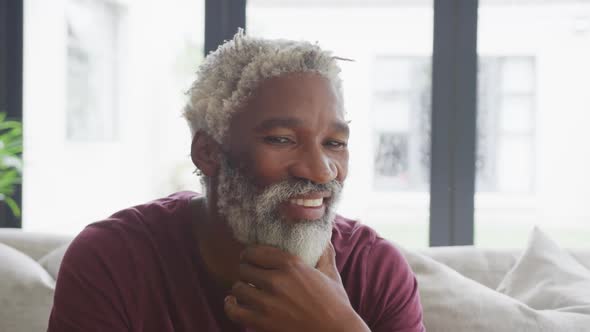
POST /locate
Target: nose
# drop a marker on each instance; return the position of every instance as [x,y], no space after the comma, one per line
[314,165]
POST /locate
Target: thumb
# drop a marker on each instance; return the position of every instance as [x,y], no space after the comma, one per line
[327,263]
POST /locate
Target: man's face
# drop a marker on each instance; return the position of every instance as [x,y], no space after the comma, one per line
[284,164]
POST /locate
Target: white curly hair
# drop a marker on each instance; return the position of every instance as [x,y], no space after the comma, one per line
[229,75]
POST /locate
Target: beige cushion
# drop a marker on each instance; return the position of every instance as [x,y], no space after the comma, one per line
[26,292]
[547,277]
[35,245]
[486,266]
[52,260]
[452,303]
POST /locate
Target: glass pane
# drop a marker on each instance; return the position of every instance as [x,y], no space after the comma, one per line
[387,99]
[532,166]
[103,92]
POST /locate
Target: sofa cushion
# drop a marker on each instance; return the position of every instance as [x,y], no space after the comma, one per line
[26,292]
[33,244]
[582,256]
[52,260]
[486,266]
[452,302]
[547,277]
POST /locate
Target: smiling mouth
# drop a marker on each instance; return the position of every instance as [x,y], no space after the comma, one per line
[316,202]
[312,207]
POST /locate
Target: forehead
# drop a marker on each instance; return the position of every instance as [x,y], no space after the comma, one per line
[307,96]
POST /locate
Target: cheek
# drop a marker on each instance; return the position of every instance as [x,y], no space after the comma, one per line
[342,166]
[265,166]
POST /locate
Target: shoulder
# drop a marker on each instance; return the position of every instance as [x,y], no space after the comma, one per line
[393,288]
[111,263]
[150,212]
[350,235]
[112,242]
[152,218]
[355,241]
[381,284]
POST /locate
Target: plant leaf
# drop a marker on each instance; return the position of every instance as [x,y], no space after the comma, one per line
[13,206]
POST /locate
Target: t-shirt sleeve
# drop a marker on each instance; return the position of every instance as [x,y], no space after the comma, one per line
[393,289]
[87,297]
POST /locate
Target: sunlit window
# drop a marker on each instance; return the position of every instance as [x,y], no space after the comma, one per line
[506,126]
[401,123]
[104,84]
[92,84]
[532,166]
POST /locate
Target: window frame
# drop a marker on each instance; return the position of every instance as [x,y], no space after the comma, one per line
[454,115]
[11,82]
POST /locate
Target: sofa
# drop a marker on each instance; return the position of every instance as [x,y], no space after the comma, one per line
[462,288]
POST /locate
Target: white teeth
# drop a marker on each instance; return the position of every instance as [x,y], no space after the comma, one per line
[307,202]
[313,202]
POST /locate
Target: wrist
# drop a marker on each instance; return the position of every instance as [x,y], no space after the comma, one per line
[354,323]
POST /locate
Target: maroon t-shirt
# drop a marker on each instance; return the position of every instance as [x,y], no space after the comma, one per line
[140,270]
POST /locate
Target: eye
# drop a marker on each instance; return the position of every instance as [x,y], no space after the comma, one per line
[337,145]
[278,140]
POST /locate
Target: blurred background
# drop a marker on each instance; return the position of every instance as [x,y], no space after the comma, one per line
[103,85]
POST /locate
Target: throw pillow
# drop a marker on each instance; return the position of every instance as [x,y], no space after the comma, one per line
[547,277]
[26,292]
[52,260]
[453,303]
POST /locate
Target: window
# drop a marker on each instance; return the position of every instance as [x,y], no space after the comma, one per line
[91,62]
[532,119]
[401,123]
[506,112]
[102,111]
[506,127]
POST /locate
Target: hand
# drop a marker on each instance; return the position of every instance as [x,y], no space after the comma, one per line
[277,291]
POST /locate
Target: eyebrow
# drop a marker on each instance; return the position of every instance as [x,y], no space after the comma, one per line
[342,127]
[290,122]
[279,123]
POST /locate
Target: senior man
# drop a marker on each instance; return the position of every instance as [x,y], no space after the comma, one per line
[262,249]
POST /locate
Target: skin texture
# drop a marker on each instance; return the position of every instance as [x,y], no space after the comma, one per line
[291,127]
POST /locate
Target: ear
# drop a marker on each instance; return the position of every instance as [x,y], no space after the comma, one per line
[205,153]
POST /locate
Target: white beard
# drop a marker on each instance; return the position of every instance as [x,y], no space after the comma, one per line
[254,217]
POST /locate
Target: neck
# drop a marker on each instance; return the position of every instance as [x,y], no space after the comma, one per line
[219,251]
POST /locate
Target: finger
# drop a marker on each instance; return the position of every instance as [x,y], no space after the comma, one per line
[267,257]
[327,263]
[249,296]
[259,277]
[241,314]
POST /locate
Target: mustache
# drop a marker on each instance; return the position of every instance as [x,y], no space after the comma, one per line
[284,190]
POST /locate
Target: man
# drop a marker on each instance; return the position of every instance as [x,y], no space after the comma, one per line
[262,250]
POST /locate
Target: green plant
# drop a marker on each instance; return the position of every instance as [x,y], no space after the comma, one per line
[11,147]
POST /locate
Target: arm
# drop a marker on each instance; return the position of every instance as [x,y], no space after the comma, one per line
[86,295]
